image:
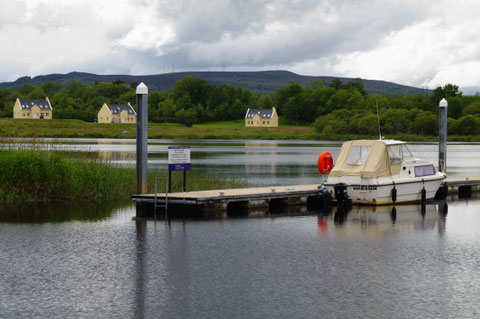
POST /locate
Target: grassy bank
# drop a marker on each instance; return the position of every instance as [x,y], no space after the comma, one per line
[32,175]
[219,130]
[215,130]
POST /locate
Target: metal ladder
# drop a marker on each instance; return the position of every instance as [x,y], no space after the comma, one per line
[155,204]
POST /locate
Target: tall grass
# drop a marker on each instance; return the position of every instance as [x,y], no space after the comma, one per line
[33,175]
[28,175]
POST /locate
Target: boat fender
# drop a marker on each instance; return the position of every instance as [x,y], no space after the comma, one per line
[424,194]
[323,192]
[325,163]
[340,190]
[394,194]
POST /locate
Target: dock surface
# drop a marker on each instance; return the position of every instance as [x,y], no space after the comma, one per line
[266,197]
[232,195]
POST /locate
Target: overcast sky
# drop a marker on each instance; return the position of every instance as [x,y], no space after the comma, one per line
[411,42]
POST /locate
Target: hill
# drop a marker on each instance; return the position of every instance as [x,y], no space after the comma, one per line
[261,81]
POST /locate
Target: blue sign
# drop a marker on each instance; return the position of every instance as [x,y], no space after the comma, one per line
[179,158]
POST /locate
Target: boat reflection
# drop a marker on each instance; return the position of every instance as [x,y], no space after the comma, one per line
[383,220]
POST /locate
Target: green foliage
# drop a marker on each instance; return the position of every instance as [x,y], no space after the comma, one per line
[28,175]
[426,124]
[467,125]
[472,109]
[50,88]
[24,89]
[336,108]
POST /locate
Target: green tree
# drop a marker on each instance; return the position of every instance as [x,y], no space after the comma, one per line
[317,84]
[368,124]
[186,117]
[166,111]
[455,107]
[283,95]
[36,94]
[472,109]
[264,101]
[448,90]
[426,124]
[336,84]
[50,88]
[467,125]
[24,89]
[197,89]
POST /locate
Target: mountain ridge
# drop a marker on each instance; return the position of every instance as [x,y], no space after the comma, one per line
[257,81]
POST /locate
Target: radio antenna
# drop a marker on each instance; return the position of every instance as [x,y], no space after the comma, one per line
[378,120]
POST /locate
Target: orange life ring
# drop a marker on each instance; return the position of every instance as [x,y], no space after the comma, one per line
[325,163]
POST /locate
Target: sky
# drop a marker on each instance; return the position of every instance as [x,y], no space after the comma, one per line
[411,42]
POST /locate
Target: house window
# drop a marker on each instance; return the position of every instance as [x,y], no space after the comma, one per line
[23,114]
[47,114]
[263,122]
[268,122]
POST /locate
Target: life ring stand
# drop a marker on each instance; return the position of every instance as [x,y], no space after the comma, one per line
[325,163]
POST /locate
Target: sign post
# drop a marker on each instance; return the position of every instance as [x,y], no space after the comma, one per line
[178,160]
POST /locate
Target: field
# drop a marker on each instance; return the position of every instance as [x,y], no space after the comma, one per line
[57,128]
[218,130]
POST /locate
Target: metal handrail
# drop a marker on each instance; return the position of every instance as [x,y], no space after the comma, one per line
[155,205]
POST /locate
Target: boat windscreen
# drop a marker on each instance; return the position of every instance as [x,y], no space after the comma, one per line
[395,154]
[358,154]
[406,151]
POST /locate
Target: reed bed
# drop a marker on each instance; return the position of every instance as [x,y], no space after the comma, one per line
[32,175]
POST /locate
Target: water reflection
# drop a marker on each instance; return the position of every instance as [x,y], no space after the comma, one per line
[383,220]
[37,213]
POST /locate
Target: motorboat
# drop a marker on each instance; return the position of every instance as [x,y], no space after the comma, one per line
[379,172]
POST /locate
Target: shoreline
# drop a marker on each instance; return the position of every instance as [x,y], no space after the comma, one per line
[59,128]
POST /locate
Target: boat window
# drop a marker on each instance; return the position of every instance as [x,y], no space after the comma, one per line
[358,154]
[424,170]
[395,154]
[406,151]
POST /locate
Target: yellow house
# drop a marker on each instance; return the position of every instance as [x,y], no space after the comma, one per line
[117,113]
[261,117]
[32,109]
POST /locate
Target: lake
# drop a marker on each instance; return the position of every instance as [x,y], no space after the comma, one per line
[90,261]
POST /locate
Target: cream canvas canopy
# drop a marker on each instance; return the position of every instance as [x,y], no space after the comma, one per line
[369,158]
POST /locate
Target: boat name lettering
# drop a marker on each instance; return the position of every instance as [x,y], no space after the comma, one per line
[364,188]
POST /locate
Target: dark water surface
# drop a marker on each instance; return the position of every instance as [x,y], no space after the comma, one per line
[85,261]
[366,264]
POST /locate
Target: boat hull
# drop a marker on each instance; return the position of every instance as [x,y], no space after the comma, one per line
[380,193]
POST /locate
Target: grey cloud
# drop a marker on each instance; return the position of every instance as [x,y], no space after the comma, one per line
[243,32]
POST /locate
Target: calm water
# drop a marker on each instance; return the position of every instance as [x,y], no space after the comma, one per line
[88,261]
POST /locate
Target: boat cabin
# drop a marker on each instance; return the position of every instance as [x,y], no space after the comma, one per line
[379,158]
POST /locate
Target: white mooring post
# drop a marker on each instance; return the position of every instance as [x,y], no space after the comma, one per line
[142,138]
[442,142]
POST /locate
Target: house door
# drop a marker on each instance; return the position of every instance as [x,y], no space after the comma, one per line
[255,123]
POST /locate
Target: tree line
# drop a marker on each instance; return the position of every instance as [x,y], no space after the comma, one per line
[191,100]
[332,108]
[345,108]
